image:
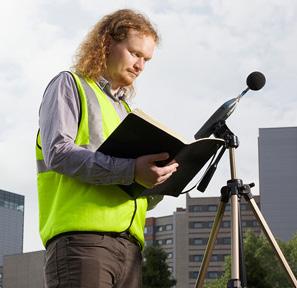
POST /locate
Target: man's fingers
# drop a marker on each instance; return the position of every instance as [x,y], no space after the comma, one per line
[166,172]
[162,156]
[148,174]
[167,169]
[163,178]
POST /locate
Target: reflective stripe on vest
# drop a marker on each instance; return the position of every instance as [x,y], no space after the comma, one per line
[65,203]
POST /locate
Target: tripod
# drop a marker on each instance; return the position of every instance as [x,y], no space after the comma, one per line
[234,190]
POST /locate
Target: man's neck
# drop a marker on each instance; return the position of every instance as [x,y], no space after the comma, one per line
[113,87]
[116,94]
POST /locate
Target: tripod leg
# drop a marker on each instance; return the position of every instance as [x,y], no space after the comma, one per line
[235,277]
[271,239]
[234,238]
[242,269]
[210,245]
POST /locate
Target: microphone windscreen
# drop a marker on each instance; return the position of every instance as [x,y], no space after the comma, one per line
[256,80]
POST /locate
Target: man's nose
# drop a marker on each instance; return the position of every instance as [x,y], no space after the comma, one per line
[139,64]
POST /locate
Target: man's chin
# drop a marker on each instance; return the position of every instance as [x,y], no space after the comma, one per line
[128,81]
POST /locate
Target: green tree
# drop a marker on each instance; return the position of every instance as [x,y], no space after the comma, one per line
[262,266]
[290,251]
[155,272]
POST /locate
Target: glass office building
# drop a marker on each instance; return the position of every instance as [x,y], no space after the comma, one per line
[11,225]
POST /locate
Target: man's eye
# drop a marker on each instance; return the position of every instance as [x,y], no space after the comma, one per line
[134,54]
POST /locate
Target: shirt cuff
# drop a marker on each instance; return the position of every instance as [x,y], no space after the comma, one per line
[123,172]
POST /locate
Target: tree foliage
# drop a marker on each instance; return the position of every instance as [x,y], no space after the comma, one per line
[262,265]
[155,272]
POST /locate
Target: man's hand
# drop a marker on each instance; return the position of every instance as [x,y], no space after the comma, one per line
[148,174]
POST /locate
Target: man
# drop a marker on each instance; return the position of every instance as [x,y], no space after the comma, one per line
[91,228]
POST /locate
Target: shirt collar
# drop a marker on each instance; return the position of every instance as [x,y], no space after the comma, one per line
[105,86]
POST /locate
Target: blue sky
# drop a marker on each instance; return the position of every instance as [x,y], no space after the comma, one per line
[208,48]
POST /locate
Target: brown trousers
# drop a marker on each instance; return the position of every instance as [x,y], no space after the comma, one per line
[92,261]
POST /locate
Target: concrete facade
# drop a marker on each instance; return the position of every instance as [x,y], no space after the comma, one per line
[24,270]
[278,179]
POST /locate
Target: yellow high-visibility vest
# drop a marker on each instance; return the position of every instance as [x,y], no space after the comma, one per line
[68,205]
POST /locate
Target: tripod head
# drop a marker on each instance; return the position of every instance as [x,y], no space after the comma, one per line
[222,131]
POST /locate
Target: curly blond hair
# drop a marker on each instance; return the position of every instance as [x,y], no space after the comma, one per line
[90,60]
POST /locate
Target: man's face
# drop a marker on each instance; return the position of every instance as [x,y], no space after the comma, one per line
[126,59]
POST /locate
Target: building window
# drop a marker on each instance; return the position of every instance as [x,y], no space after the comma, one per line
[212,208]
[196,258]
[226,224]
[11,201]
[164,241]
[198,241]
[203,208]
[200,225]
[160,242]
[255,223]
[170,269]
[169,241]
[148,230]
[160,228]
[224,241]
[214,258]
[168,227]
[169,255]
[20,208]
[244,206]
[249,223]
[218,258]
[213,275]
[195,225]
[193,274]
[195,208]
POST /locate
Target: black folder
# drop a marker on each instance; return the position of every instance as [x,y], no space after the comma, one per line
[138,134]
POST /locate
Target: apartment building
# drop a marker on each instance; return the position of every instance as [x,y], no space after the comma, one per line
[184,236]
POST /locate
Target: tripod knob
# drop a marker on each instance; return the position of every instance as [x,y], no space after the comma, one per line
[251,185]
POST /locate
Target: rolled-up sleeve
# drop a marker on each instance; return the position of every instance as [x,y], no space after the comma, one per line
[58,122]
